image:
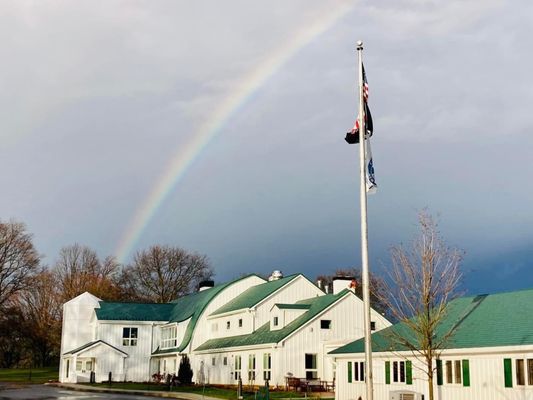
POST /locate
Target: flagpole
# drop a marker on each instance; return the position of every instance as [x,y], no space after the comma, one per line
[364,231]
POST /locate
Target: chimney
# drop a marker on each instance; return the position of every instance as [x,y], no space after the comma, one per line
[204,285]
[319,283]
[342,282]
[276,274]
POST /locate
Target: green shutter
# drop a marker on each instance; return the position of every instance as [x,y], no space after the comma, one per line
[408,372]
[508,372]
[387,372]
[466,373]
[349,372]
[439,372]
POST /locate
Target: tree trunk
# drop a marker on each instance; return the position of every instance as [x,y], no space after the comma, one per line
[430,378]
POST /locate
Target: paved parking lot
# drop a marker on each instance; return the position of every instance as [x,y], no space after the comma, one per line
[41,392]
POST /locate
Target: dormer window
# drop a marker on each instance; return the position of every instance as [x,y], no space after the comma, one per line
[169,337]
[276,321]
[228,324]
[240,322]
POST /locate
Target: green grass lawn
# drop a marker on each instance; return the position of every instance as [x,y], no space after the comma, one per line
[23,375]
[222,393]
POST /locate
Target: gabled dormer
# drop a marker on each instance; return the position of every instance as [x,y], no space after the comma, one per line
[284,314]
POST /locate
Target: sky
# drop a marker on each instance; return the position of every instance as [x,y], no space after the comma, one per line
[219,127]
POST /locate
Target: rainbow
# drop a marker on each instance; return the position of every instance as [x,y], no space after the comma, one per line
[248,85]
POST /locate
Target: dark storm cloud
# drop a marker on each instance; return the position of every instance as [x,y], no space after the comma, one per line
[96,98]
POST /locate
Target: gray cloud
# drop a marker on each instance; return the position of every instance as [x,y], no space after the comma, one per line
[97,96]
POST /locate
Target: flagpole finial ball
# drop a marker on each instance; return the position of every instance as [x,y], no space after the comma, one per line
[359,44]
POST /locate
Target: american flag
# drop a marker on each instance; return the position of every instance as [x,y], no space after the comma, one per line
[353,136]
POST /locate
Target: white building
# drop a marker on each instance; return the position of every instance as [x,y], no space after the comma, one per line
[249,327]
[489,357]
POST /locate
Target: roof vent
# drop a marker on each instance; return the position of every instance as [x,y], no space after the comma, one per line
[204,285]
[277,274]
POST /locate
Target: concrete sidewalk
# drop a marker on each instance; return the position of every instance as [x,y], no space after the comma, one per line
[151,393]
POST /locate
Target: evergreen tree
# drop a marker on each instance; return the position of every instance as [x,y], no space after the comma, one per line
[185,371]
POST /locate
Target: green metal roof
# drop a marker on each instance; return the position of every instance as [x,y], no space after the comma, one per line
[87,345]
[254,295]
[264,335]
[192,306]
[182,309]
[114,311]
[292,306]
[480,321]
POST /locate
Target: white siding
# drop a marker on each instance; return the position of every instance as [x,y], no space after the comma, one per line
[486,372]
[77,328]
[224,374]
[106,360]
[313,339]
[138,361]
[203,332]
[234,328]
[298,289]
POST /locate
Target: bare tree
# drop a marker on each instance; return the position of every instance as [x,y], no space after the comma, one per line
[424,279]
[163,273]
[19,260]
[78,269]
[41,308]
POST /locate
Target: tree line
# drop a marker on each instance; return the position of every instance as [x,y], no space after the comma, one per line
[421,279]
[32,294]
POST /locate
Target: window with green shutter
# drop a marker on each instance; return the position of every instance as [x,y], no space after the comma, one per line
[439,372]
[466,373]
[408,372]
[387,372]
[508,372]
[349,372]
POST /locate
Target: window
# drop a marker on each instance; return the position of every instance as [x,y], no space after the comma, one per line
[225,361]
[267,366]
[359,371]
[169,337]
[456,371]
[449,375]
[213,361]
[310,366]
[520,377]
[237,367]
[240,322]
[275,321]
[251,367]
[228,324]
[523,372]
[129,336]
[398,371]
[372,325]
[84,365]
[325,324]
[402,372]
